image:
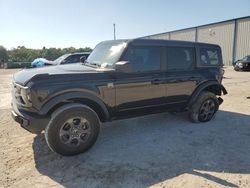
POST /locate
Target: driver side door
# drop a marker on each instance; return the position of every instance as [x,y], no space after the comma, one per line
[144,87]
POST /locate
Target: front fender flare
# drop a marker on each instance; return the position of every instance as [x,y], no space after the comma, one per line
[67,97]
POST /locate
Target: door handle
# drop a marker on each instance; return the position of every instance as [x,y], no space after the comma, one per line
[157,81]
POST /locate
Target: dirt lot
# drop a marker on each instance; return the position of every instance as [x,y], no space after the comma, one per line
[159,150]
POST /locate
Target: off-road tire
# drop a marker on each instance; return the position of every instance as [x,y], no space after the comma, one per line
[58,119]
[195,109]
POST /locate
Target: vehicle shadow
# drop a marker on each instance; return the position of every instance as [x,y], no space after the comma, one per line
[144,151]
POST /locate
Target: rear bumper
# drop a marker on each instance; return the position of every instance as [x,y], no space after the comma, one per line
[223,89]
[32,123]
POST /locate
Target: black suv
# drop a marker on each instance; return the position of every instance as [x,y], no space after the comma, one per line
[120,79]
[242,64]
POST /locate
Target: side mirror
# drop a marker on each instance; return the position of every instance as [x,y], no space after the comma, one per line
[83,59]
[123,66]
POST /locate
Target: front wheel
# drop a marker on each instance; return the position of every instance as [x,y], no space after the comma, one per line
[73,129]
[204,108]
[236,69]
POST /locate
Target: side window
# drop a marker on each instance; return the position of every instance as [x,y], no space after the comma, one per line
[209,56]
[72,59]
[247,58]
[244,59]
[84,55]
[180,58]
[143,58]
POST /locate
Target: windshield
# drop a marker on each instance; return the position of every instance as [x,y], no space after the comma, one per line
[59,59]
[106,54]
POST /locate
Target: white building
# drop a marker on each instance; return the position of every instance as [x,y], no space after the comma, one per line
[232,35]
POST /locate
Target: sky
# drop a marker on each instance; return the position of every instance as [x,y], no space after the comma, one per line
[82,23]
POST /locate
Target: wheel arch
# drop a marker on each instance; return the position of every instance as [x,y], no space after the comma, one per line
[87,99]
[211,86]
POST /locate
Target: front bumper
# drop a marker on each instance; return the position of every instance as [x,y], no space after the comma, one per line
[30,122]
[246,66]
[243,66]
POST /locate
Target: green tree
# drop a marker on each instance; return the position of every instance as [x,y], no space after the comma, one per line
[3,54]
[22,54]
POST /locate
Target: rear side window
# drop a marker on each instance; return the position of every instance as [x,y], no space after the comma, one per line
[209,57]
[143,59]
[180,58]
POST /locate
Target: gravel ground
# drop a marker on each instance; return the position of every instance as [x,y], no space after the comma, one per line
[158,150]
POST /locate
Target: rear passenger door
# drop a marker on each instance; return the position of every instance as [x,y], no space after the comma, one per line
[181,78]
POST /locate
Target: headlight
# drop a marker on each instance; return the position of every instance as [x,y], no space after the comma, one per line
[240,64]
[22,95]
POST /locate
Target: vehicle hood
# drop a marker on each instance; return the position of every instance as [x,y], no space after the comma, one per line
[24,76]
[51,63]
[244,62]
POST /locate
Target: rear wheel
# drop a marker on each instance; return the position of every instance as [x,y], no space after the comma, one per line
[72,130]
[204,108]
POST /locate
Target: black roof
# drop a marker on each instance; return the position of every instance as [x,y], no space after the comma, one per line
[157,42]
[142,41]
[166,42]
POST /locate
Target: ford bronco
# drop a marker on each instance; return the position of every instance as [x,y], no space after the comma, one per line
[120,79]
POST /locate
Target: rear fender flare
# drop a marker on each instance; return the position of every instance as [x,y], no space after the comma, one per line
[203,87]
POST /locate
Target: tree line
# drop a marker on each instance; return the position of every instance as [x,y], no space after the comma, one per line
[22,54]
